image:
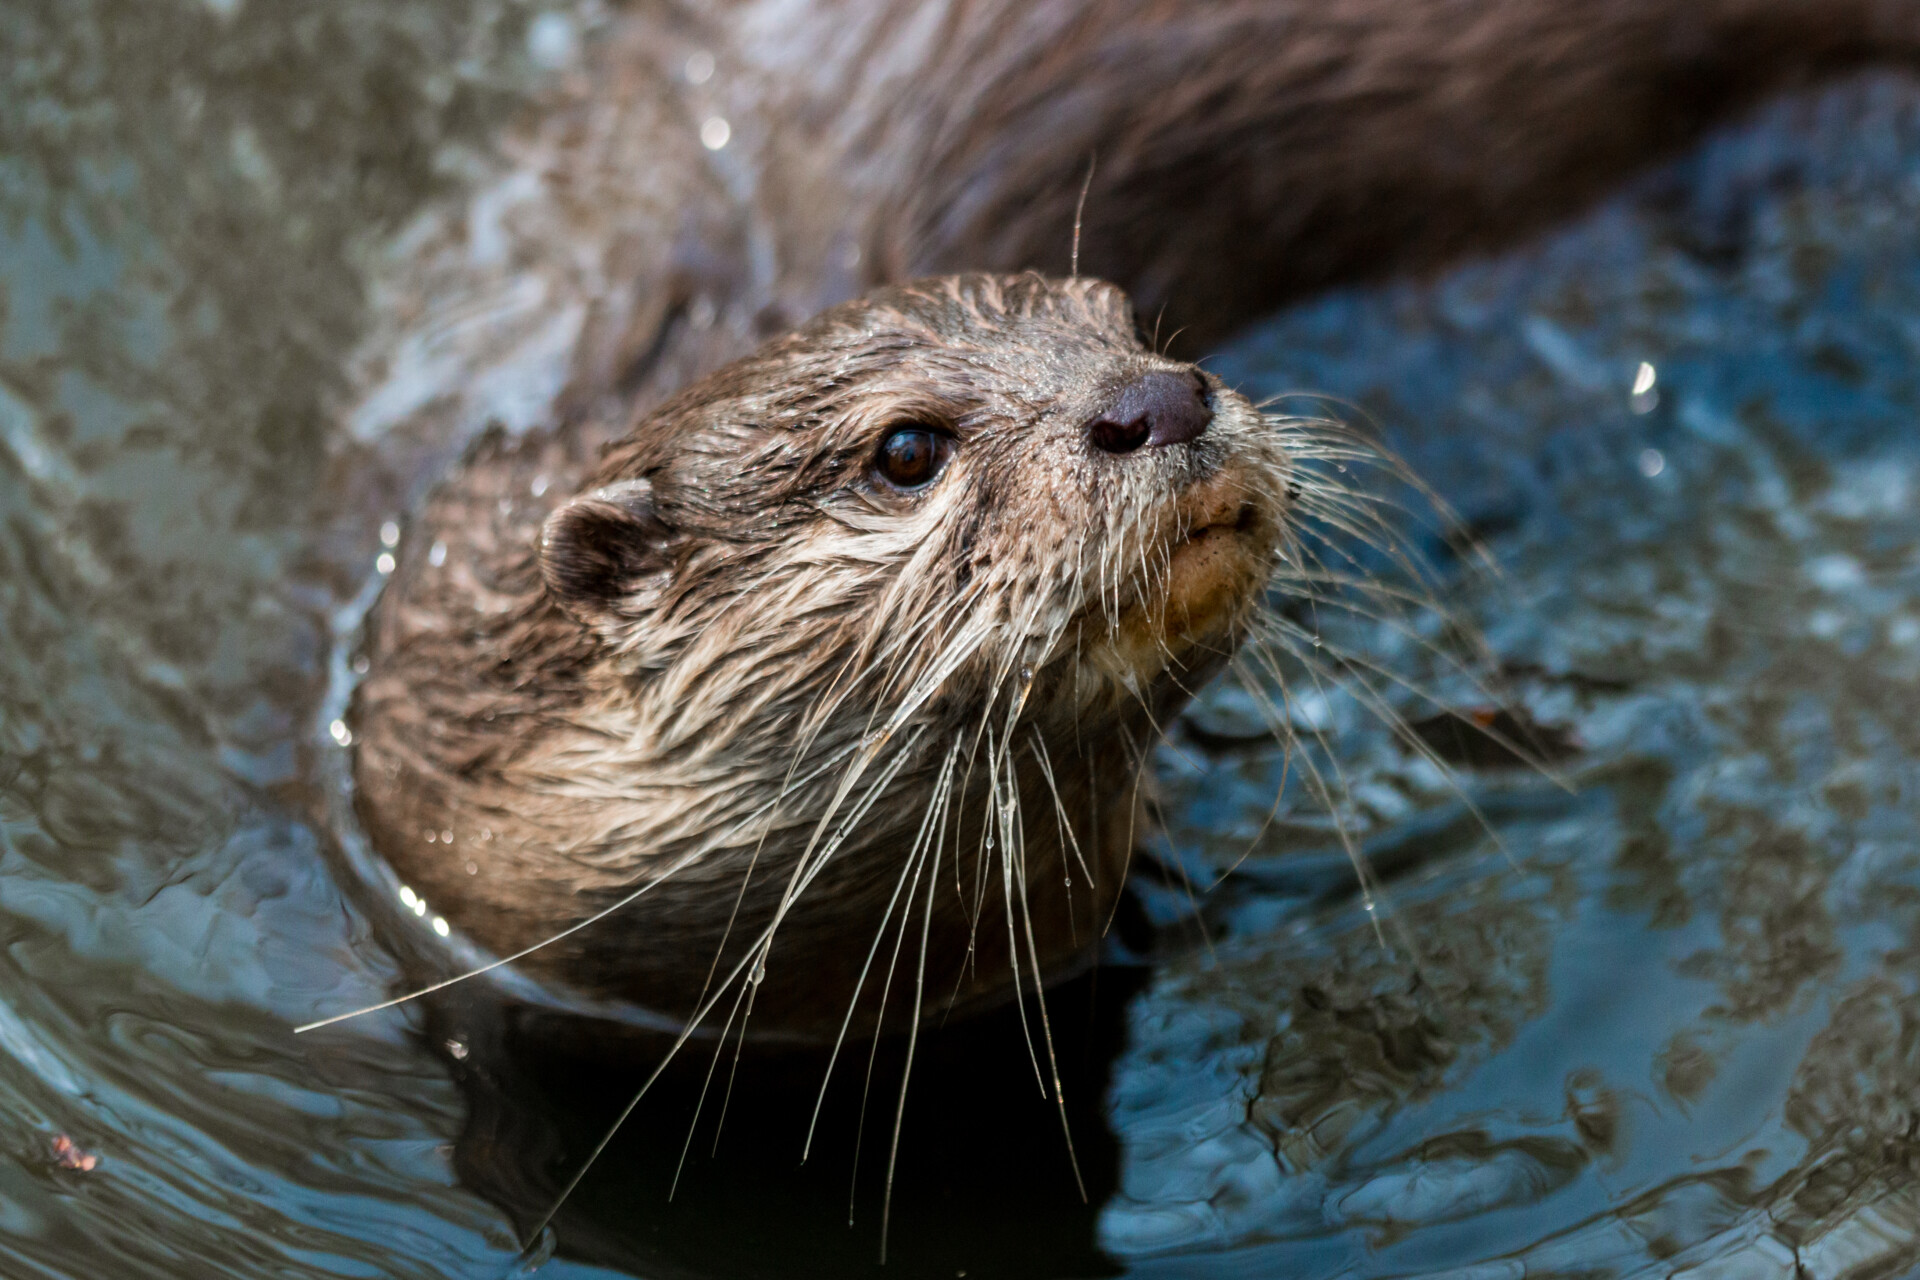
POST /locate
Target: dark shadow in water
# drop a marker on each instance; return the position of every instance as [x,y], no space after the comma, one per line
[984,1185]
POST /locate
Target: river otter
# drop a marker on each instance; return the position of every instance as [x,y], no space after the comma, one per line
[863,635]
[708,176]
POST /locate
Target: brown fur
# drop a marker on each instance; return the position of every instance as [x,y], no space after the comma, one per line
[802,623]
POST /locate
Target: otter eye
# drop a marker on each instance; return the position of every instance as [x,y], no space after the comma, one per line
[910,457]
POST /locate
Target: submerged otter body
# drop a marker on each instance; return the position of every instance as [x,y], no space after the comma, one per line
[862,637]
[702,639]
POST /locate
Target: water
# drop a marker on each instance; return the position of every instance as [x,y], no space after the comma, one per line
[1661,1017]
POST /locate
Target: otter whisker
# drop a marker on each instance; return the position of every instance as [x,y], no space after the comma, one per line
[843,789]
[1046,1026]
[1308,645]
[1133,812]
[1370,892]
[733,1072]
[1007,810]
[1250,685]
[1002,671]
[982,854]
[1357,856]
[701,1102]
[1364,526]
[913,1041]
[1059,808]
[787,786]
[896,651]
[984,732]
[1352,586]
[491,965]
[1353,676]
[936,804]
[809,863]
[963,647]
[1327,440]
[660,1067]
[886,990]
[1284,633]
[1079,208]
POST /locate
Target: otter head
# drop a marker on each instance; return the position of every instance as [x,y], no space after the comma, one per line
[866,634]
[936,493]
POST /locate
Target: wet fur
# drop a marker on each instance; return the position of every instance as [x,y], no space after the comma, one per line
[806,629]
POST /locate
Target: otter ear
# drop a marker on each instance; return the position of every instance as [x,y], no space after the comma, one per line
[600,548]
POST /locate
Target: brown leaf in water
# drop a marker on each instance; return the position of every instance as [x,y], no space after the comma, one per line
[68,1155]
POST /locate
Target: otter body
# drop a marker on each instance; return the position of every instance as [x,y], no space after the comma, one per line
[699,644]
[863,637]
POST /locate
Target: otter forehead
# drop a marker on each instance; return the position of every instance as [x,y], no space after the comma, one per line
[985,360]
[983,315]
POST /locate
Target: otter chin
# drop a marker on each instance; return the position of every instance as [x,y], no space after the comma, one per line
[837,672]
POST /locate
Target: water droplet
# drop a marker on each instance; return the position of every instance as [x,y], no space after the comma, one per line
[1026,675]
[457,1051]
[473,869]
[390,534]
[446,837]
[408,897]
[361,665]
[437,556]
[715,132]
[385,563]
[1651,462]
[441,927]
[341,734]
[1644,378]
[699,68]
[539,485]
[758,973]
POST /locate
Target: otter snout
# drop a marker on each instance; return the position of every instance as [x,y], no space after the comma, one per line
[1154,410]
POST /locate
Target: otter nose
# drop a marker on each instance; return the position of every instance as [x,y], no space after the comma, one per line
[1154,409]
